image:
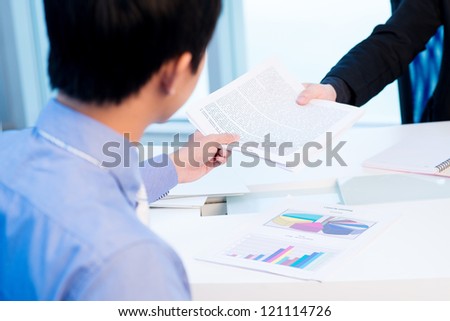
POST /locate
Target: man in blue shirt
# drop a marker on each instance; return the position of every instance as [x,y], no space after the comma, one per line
[68,223]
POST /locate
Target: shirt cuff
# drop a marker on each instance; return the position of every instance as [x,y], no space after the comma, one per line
[159,176]
[343,91]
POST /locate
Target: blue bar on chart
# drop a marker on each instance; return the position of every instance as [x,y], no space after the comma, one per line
[280,257]
[280,253]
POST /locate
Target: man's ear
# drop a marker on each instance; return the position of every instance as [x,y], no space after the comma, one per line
[171,71]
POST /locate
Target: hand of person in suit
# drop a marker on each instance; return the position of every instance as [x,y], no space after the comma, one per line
[316,91]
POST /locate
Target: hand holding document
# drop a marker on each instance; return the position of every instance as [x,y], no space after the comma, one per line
[201,155]
[261,108]
[316,91]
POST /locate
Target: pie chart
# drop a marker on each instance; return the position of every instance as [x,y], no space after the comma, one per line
[344,227]
[301,222]
[314,223]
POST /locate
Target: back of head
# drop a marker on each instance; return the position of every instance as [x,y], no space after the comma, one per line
[103,51]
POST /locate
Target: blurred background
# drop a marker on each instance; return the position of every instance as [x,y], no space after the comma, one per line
[307,36]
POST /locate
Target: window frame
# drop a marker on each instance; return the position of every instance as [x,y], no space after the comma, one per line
[25,50]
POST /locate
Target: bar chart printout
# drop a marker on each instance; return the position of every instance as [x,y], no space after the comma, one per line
[300,240]
[263,250]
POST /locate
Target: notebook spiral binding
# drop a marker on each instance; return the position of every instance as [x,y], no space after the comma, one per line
[443,166]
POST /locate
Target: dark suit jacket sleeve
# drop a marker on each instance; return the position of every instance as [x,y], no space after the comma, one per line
[387,52]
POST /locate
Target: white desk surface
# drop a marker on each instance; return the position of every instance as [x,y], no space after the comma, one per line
[409,261]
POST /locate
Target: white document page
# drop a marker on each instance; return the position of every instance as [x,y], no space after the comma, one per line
[182,202]
[300,240]
[221,181]
[262,102]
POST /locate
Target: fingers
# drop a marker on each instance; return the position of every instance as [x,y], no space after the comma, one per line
[217,161]
[220,157]
[220,160]
[311,91]
[224,153]
[316,91]
[223,139]
[196,136]
[217,148]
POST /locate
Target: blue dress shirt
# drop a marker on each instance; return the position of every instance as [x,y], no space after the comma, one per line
[68,228]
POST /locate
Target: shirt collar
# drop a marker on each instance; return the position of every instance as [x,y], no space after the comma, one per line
[100,142]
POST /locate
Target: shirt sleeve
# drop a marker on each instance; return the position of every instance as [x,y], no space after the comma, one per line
[144,271]
[159,176]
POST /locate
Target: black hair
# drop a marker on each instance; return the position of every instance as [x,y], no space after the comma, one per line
[103,51]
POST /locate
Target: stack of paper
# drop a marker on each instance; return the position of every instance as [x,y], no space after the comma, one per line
[208,194]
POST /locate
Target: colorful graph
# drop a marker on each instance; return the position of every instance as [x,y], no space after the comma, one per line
[322,224]
[269,251]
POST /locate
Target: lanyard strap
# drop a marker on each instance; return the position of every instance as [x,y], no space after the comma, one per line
[142,205]
[72,150]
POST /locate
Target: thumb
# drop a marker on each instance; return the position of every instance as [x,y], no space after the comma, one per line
[311,91]
[223,138]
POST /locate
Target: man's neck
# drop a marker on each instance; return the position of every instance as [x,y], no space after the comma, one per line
[126,118]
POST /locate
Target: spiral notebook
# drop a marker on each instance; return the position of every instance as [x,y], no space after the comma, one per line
[424,155]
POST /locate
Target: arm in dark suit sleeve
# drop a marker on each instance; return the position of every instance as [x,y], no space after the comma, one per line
[387,52]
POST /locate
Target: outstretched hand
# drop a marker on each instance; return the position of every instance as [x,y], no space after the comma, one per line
[316,91]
